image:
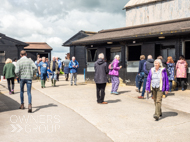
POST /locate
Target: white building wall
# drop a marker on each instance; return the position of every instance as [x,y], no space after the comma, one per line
[157,12]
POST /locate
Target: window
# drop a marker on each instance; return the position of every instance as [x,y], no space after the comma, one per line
[92,55]
[134,53]
[187,50]
[2,56]
[115,51]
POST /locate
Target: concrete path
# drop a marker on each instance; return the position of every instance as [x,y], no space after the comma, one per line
[126,118]
[50,121]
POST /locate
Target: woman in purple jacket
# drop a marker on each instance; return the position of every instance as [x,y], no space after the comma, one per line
[115,75]
[157,82]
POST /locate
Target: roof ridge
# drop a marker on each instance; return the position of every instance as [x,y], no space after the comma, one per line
[145,25]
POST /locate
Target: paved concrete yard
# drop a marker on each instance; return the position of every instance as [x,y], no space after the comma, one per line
[50,121]
[126,118]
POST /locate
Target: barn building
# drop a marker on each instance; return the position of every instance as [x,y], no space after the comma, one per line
[78,51]
[38,48]
[153,27]
[9,48]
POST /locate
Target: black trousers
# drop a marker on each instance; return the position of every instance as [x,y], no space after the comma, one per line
[66,76]
[9,81]
[58,77]
[181,81]
[100,90]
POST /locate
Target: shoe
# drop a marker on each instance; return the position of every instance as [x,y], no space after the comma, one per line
[71,84]
[111,92]
[137,90]
[116,93]
[103,103]
[160,114]
[75,84]
[140,97]
[176,89]
[22,106]
[12,91]
[156,117]
[51,82]
[183,89]
[30,108]
[164,96]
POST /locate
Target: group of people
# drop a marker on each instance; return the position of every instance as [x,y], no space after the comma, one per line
[155,75]
[24,70]
[178,72]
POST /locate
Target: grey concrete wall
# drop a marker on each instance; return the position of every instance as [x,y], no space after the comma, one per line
[157,12]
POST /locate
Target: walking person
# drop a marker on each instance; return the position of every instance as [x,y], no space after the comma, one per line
[25,69]
[54,69]
[9,73]
[59,67]
[48,74]
[115,75]
[14,63]
[100,78]
[42,69]
[73,65]
[147,67]
[181,72]
[66,68]
[157,82]
[171,71]
[140,76]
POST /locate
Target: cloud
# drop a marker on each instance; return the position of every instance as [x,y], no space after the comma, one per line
[56,21]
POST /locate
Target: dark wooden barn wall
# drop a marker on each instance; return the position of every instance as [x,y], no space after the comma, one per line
[11,52]
[80,54]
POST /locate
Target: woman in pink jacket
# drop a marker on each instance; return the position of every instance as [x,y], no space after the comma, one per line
[181,71]
[115,75]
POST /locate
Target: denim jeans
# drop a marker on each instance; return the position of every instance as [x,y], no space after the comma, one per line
[29,86]
[54,76]
[144,86]
[141,78]
[170,85]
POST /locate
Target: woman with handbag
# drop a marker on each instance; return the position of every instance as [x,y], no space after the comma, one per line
[171,71]
[9,73]
[115,75]
[181,72]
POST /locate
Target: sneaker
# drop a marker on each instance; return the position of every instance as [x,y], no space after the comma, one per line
[116,93]
[183,89]
[75,84]
[12,91]
[111,92]
[71,84]
[140,97]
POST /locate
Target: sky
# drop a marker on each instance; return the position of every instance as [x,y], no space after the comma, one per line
[55,21]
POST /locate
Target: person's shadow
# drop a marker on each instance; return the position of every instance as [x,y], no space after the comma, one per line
[123,92]
[168,114]
[43,106]
[113,101]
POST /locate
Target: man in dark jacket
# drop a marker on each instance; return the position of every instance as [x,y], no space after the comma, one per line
[100,78]
[140,75]
[147,67]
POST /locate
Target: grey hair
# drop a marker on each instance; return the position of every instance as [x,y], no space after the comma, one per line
[116,56]
[73,57]
[43,57]
[160,62]
[101,56]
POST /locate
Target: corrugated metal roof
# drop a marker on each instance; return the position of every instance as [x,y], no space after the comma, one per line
[133,3]
[38,45]
[172,27]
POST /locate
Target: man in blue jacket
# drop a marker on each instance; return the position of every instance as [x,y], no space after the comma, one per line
[73,65]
